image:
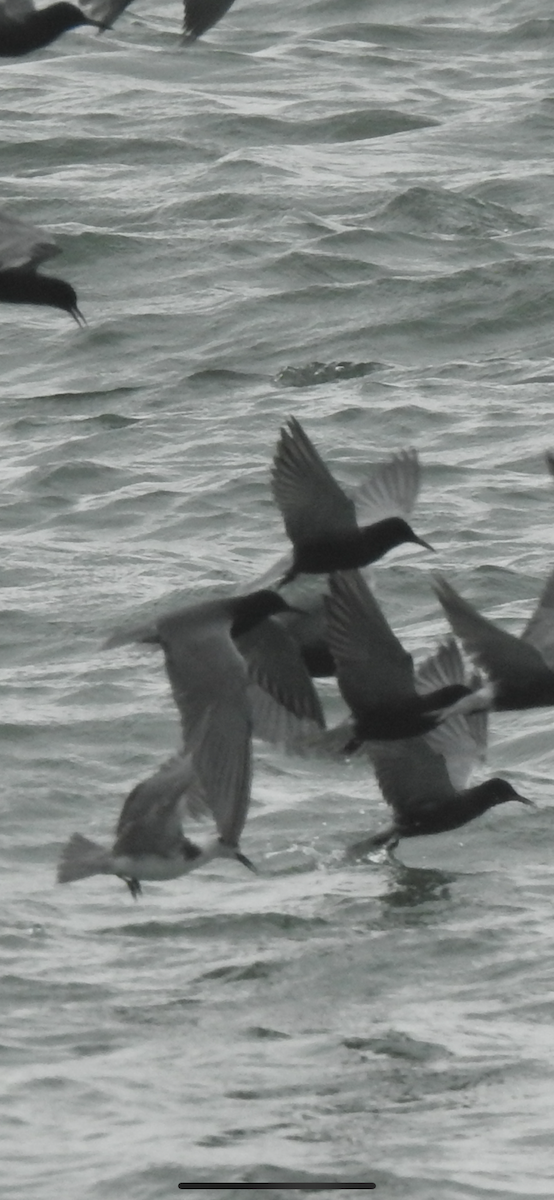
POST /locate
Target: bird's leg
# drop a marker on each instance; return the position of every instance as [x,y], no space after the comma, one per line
[134,887]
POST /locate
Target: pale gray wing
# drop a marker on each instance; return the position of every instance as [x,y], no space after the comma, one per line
[150,820]
[209,682]
[372,666]
[461,740]
[410,773]
[501,655]
[23,245]
[288,698]
[312,503]
[104,11]
[539,630]
[390,491]
[200,15]
[15,10]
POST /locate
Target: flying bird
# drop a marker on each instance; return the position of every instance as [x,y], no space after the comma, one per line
[23,248]
[424,779]
[320,518]
[24,28]
[375,674]
[520,669]
[217,694]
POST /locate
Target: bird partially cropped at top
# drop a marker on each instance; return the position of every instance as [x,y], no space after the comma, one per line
[520,669]
[220,693]
[23,248]
[199,15]
[319,517]
[375,674]
[424,779]
[24,28]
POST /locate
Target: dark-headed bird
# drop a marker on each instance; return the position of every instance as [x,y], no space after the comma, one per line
[23,248]
[520,669]
[319,517]
[424,779]
[375,674]
[199,15]
[24,28]
[223,696]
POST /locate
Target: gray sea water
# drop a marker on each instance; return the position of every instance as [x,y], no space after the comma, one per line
[342,211]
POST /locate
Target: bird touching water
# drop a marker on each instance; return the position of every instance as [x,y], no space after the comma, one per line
[424,779]
[22,249]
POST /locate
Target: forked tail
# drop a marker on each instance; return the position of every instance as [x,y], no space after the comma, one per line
[81,857]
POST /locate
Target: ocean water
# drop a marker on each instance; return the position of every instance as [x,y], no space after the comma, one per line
[342,211]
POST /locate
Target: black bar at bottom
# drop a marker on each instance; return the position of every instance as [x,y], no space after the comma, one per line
[290,1187]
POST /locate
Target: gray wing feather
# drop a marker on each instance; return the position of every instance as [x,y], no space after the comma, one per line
[500,654]
[275,665]
[311,502]
[105,11]
[23,245]
[150,820]
[539,631]
[391,490]
[372,666]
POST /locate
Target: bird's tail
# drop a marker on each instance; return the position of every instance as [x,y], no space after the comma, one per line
[81,857]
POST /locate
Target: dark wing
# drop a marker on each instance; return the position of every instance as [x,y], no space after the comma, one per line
[200,15]
[410,773]
[390,491]
[209,682]
[373,669]
[23,245]
[539,631]
[311,502]
[504,657]
[150,820]
[285,703]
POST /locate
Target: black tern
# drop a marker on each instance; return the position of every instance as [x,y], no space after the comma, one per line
[199,15]
[424,778]
[24,28]
[319,517]
[23,248]
[375,674]
[521,669]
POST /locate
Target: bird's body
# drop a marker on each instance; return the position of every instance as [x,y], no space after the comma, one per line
[24,28]
[521,669]
[22,249]
[320,518]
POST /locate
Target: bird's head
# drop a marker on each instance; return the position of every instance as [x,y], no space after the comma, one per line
[249,611]
[398,531]
[500,791]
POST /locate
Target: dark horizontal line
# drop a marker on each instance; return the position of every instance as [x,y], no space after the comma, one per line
[290,1187]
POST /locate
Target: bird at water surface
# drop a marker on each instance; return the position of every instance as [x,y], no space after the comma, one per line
[24,28]
[22,249]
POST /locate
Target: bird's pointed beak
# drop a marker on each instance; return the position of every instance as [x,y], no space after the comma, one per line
[246,862]
[524,800]
[427,545]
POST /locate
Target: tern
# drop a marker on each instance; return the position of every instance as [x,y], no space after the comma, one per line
[23,248]
[199,15]
[24,28]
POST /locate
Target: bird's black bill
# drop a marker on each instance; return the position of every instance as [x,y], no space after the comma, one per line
[524,800]
[427,545]
[246,862]
[78,317]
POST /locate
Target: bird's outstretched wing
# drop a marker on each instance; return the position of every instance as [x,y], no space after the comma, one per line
[200,15]
[104,11]
[285,704]
[539,631]
[150,820]
[500,654]
[372,667]
[23,245]
[312,503]
[461,740]
[391,489]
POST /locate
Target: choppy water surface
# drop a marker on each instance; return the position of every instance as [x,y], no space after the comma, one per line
[340,210]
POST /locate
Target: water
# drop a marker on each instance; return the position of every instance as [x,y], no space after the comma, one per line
[340,210]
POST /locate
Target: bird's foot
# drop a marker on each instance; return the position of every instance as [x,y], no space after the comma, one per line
[134,887]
